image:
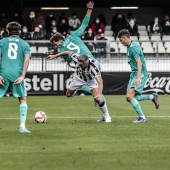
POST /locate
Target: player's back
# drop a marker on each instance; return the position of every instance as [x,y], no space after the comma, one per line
[12,50]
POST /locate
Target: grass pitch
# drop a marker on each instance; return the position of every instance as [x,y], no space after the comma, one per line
[71,139]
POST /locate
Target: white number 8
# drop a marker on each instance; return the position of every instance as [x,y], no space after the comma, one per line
[12,50]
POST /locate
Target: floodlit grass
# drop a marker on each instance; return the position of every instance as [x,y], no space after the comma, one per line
[71,139]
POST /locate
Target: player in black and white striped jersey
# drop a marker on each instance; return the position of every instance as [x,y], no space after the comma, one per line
[86,73]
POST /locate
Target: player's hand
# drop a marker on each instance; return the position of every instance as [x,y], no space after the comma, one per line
[138,81]
[50,57]
[18,80]
[90,5]
[2,82]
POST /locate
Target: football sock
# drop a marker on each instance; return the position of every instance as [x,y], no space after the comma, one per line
[137,107]
[23,114]
[86,89]
[103,108]
[143,97]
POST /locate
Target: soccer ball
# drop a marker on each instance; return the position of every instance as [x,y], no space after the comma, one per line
[40,117]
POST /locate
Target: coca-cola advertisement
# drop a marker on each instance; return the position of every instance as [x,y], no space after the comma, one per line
[116,83]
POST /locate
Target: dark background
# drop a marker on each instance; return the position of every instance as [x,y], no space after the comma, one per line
[80,3]
[148,9]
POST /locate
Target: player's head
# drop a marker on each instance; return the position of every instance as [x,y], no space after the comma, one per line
[83,60]
[14,28]
[57,39]
[124,37]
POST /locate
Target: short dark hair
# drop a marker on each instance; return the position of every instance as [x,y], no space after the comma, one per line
[14,28]
[56,37]
[123,32]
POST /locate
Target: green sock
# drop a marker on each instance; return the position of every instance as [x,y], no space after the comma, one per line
[137,107]
[143,97]
[23,113]
[86,89]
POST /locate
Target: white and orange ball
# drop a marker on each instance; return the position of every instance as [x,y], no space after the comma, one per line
[40,117]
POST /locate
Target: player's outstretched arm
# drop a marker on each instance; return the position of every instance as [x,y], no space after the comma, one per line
[50,57]
[89,5]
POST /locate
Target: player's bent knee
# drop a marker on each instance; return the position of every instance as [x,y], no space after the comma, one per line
[128,98]
[68,94]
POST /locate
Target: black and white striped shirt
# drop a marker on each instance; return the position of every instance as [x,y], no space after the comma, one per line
[88,73]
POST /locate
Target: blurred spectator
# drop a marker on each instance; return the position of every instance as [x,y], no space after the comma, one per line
[38,34]
[114,18]
[39,21]
[133,26]
[89,35]
[3,19]
[63,26]
[52,32]
[29,21]
[74,22]
[25,35]
[48,21]
[4,32]
[83,35]
[166,26]
[65,34]
[17,17]
[129,16]
[63,16]
[102,18]
[96,25]
[101,46]
[155,27]
[118,23]
[97,36]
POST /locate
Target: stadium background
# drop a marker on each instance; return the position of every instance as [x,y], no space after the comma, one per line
[144,15]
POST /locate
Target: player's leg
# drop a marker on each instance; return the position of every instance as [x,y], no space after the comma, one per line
[140,97]
[3,89]
[19,91]
[93,85]
[153,97]
[132,90]
[86,89]
[135,104]
[74,85]
[102,105]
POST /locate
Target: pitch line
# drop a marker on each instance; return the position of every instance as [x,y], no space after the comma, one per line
[4,118]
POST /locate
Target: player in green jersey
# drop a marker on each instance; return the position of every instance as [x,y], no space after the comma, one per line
[138,76]
[74,43]
[15,56]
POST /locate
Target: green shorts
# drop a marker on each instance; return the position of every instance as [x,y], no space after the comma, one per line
[18,90]
[132,80]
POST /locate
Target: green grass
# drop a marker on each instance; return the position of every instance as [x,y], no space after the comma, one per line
[71,139]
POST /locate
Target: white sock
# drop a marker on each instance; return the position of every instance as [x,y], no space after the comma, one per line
[151,96]
[104,110]
[22,125]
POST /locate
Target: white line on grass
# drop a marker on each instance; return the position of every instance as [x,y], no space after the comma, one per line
[3,118]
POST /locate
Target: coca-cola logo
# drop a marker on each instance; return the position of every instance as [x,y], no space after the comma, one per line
[157,84]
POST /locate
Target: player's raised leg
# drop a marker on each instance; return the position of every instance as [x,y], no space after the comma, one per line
[153,97]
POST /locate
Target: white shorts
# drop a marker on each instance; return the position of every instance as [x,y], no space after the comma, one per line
[77,84]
